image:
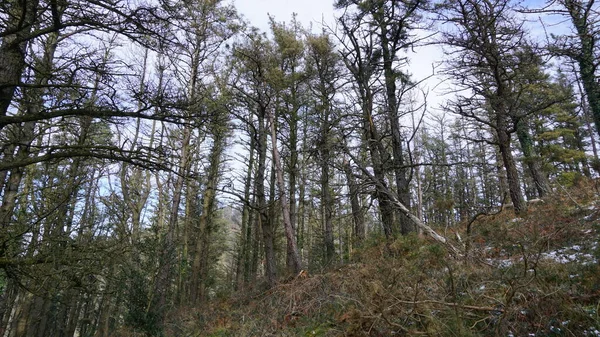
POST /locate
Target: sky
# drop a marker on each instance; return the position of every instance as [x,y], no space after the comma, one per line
[309,11]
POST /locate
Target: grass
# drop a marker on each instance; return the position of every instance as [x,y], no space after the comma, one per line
[513,282]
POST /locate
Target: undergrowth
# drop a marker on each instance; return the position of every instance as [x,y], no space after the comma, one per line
[534,275]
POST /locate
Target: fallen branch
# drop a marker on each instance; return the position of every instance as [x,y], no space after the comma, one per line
[450,304]
[405,211]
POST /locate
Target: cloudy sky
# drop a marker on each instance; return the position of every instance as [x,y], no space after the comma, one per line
[308,11]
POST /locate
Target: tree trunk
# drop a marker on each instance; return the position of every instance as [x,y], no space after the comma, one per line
[326,197]
[400,172]
[583,22]
[263,217]
[357,212]
[20,317]
[8,300]
[201,267]
[292,248]
[512,174]
[500,172]
[292,253]
[13,49]
[301,226]
[167,255]
[244,250]
[385,205]
[532,160]
[327,209]
[378,158]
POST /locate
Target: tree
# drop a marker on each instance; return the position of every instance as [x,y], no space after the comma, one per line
[24,22]
[390,27]
[582,46]
[482,38]
[219,129]
[254,61]
[361,55]
[289,80]
[72,108]
[535,87]
[323,67]
[557,131]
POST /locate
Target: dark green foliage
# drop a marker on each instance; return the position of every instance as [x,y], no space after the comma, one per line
[138,302]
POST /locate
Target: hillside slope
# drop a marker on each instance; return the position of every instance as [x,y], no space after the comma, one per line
[532,276]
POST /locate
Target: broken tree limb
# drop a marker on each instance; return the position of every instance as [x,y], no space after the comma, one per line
[427,230]
[453,305]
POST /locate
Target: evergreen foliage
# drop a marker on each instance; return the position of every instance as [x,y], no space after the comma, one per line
[167,170]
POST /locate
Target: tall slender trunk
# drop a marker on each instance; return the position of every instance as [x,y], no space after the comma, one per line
[378,158]
[20,318]
[327,206]
[293,177]
[167,255]
[512,174]
[357,212]
[292,248]
[274,210]
[301,226]
[263,216]
[500,171]
[417,173]
[192,233]
[200,268]
[8,300]
[400,171]
[257,242]
[245,243]
[326,197]
[103,326]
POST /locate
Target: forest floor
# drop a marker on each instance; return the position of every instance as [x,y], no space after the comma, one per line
[533,275]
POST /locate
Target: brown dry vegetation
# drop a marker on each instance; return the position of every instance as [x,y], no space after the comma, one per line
[508,285]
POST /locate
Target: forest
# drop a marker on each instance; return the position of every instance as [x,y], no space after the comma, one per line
[169,170]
